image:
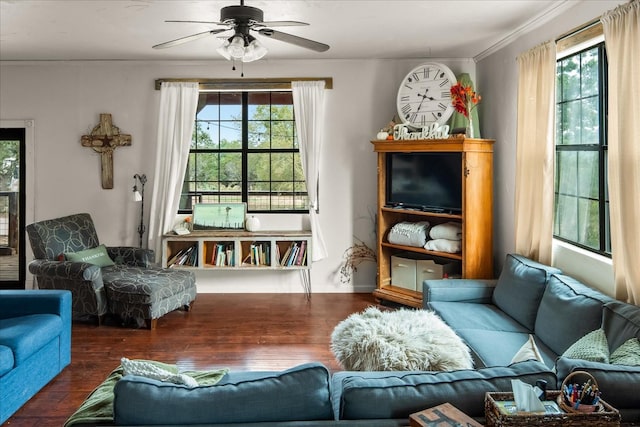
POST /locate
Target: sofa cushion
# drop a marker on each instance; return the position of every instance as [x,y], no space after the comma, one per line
[620,322]
[627,354]
[463,315]
[297,394]
[395,395]
[520,288]
[25,335]
[497,348]
[592,346]
[568,311]
[6,359]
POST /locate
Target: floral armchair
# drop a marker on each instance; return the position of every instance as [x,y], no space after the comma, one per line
[126,286]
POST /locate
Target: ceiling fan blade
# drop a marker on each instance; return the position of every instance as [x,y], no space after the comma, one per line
[187,39]
[197,22]
[290,38]
[280,24]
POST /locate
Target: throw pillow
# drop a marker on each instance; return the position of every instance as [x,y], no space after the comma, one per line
[627,354]
[147,369]
[528,351]
[592,347]
[97,256]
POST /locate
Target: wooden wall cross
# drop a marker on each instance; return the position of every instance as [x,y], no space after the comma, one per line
[104,139]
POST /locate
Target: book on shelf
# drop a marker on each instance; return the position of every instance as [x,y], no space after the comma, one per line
[186,257]
[222,255]
[295,255]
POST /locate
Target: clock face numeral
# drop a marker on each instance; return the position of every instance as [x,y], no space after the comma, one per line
[426,72]
[406,108]
[444,82]
[445,94]
[415,77]
[442,106]
[404,98]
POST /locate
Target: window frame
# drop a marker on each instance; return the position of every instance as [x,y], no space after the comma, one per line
[601,149]
[245,151]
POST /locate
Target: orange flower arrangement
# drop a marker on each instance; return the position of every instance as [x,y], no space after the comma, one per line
[464,99]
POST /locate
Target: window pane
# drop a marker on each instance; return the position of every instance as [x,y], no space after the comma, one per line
[590,121]
[230,106]
[206,135]
[570,78]
[282,166]
[588,178]
[259,134]
[566,218]
[207,166]
[231,135]
[259,167]
[283,134]
[567,173]
[589,73]
[588,223]
[231,168]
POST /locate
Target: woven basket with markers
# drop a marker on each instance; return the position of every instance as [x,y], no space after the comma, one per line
[576,397]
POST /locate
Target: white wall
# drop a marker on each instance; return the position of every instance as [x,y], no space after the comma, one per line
[65,99]
[497,82]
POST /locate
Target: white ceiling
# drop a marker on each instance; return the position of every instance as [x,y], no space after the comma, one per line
[126,29]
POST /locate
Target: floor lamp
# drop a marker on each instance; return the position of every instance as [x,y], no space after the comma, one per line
[138,196]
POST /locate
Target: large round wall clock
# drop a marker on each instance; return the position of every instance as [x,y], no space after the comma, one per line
[424,96]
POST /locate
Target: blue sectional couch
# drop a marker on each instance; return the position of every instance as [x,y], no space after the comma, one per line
[496,318]
[35,343]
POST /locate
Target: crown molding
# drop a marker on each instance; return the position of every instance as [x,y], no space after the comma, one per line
[541,18]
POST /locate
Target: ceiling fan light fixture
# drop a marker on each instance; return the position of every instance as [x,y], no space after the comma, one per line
[254,51]
[222,50]
[236,47]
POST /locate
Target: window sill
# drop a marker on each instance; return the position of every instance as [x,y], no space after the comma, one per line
[592,269]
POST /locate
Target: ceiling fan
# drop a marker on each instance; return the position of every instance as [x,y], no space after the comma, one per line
[242,45]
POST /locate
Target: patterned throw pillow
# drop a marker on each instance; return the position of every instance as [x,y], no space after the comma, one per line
[147,369]
[592,347]
[97,256]
[627,354]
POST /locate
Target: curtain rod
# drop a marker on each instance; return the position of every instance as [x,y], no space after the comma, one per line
[247,84]
[584,27]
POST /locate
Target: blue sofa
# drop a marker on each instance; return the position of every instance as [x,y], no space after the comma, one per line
[35,343]
[494,317]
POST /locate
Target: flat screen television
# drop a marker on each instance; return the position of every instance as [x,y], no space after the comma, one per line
[426,181]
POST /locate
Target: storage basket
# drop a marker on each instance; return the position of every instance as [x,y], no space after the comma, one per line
[567,406]
[607,417]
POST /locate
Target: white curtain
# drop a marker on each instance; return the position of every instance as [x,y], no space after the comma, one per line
[178,102]
[308,106]
[621,28]
[535,152]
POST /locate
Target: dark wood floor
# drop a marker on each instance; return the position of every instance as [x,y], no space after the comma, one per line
[236,331]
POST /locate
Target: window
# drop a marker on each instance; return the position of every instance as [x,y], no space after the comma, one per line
[244,149]
[581,198]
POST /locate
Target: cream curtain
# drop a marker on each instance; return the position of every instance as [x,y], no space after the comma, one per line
[178,102]
[621,28]
[308,107]
[535,152]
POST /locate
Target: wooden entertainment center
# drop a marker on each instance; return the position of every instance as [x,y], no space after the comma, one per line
[475,217]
